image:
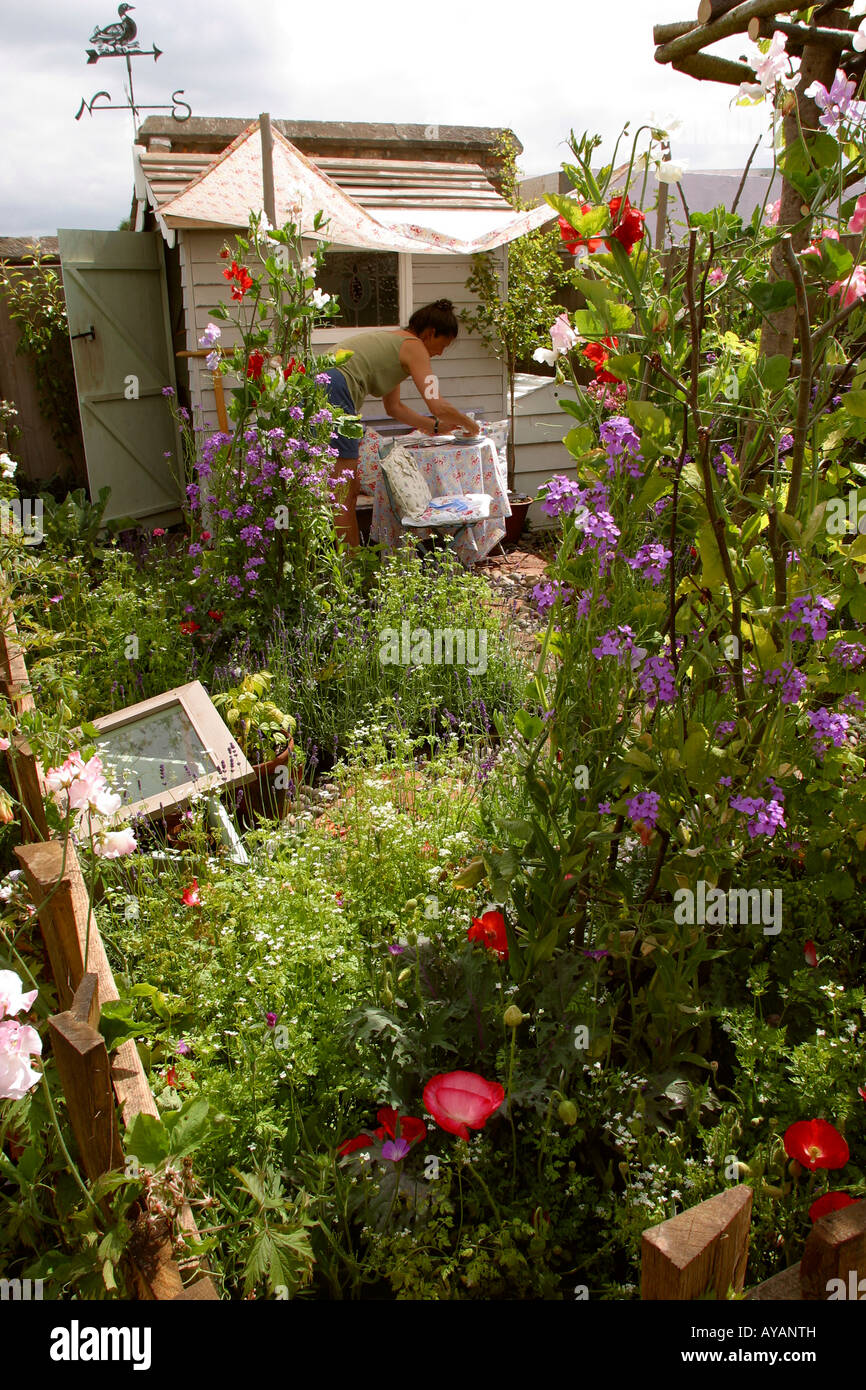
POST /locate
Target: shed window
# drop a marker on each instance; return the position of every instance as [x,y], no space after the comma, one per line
[367,285]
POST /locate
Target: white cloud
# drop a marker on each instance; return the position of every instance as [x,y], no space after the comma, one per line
[453,63]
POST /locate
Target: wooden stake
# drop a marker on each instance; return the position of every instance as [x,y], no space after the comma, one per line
[703,1248]
[268,167]
[60,898]
[85,1075]
[30,788]
[835,1249]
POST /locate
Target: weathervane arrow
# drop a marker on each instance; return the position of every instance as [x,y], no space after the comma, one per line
[118,40]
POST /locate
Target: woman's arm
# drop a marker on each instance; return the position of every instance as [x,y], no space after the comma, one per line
[398,410]
[416,358]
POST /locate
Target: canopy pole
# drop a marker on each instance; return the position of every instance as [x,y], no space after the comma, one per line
[268,168]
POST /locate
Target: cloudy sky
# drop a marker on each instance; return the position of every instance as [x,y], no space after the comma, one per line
[581,67]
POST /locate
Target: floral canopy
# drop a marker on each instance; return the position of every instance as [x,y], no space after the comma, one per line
[224,194]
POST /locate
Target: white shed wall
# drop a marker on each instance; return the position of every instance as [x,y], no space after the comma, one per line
[470,376]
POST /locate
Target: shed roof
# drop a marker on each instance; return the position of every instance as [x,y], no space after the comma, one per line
[367,201]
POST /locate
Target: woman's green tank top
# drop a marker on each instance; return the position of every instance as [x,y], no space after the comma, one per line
[374,368]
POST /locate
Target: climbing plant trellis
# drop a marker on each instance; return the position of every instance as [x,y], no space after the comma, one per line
[823,43]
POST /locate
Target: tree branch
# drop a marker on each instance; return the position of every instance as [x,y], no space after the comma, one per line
[706,67]
[735,22]
[798,35]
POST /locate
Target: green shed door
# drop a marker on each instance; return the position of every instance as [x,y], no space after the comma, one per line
[115,285]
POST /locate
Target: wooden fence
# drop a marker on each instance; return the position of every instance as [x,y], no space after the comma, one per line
[705,1251]
[92,1080]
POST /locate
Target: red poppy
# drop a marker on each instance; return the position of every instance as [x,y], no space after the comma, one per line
[831,1201]
[361,1141]
[462,1100]
[215,614]
[628,228]
[411,1129]
[811,954]
[816,1144]
[573,240]
[189,627]
[489,929]
[190,896]
[597,353]
[293,366]
[255,362]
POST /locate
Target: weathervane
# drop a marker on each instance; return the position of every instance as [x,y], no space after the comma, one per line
[119,41]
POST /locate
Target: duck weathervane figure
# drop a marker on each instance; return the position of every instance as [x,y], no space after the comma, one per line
[119,40]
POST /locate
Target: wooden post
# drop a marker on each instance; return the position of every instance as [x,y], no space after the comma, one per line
[30,789]
[268,167]
[85,1075]
[703,1248]
[836,1249]
[60,898]
[219,393]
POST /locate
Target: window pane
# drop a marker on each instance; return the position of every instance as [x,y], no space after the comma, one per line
[366,285]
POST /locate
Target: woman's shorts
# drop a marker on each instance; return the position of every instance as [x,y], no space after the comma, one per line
[339,395]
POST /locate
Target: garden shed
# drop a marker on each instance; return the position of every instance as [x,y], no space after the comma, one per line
[408,206]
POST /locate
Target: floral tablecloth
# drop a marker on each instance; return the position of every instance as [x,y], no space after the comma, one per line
[449,467]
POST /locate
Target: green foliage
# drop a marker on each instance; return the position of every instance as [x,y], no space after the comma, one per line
[37,305]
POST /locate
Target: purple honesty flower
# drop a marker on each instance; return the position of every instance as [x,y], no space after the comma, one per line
[546,595]
[725,456]
[322,379]
[168,390]
[621,444]
[395,1149]
[661,505]
[652,560]
[561,496]
[725,781]
[828,729]
[397,948]
[809,613]
[726,726]
[656,680]
[643,810]
[604,808]
[792,681]
[619,641]
[853,701]
[596,955]
[786,444]
[766,816]
[849,654]
[183,1048]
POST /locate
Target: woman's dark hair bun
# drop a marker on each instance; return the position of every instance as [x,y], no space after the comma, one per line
[439,316]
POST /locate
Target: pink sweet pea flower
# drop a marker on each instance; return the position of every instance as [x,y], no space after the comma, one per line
[113,844]
[852,289]
[562,335]
[13,1000]
[5,745]
[772,214]
[858,217]
[18,1042]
